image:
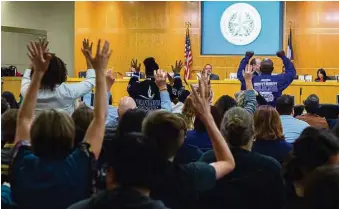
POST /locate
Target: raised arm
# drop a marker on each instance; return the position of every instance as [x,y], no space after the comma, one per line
[225,162]
[242,66]
[96,130]
[40,62]
[160,80]
[250,101]
[287,78]
[132,84]
[79,89]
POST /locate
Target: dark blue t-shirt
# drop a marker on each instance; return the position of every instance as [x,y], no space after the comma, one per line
[199,139]
[279,149]
[54,184]
[180,185]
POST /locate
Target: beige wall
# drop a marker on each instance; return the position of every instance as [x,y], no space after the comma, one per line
[57,18]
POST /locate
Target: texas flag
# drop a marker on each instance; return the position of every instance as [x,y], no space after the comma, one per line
[289,47]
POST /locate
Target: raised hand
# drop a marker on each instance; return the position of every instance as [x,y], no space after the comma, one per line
[249,54]
[178,66]
[134,66]
[86,47]
[110,78]
[39,60]
[248,72]
[281,53]
[201,103]
[101,58]
[160,79]
[44,45]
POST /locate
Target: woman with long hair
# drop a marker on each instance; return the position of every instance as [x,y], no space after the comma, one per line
[54,92]
[269,137]
[321,75]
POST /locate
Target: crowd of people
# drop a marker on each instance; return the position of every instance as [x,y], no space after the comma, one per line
[165,145]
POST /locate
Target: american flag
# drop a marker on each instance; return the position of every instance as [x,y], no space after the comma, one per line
[188,55]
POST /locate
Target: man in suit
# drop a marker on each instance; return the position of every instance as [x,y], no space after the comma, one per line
[208,69]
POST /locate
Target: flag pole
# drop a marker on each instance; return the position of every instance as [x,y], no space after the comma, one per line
[188,25]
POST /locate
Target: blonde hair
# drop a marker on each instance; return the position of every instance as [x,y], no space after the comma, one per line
[189,113]
[52,134]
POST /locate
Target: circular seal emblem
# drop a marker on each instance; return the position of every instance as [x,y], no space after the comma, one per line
[240,24]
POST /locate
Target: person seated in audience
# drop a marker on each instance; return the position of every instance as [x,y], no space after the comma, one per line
[256,181]
[321,76]
[268,85]
[82,118]
[148,94]
[269,137]
[314,148]
[134,163]
[225,103]
[8,127]
[130,120]
[50,173]
[54,91]
[4,105]
[292,127]
[10,98]
[187,153]
[208,70]
[179,186]
[322,188]
[198,136]
[311,117]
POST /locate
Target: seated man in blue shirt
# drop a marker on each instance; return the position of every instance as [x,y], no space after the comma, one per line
[292,127]
[269,86]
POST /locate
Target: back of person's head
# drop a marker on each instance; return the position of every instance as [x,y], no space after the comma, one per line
[312,149]
[8,125]
[322,188]
[55,74]
[131,121]
[150,66]
[267,123]
[237,127]
[82,117]
[323,72]
[166,129]
[189,113]
[10,98]
[126,103]
[225,103]
[199,125]
[52,134]
[285,105]
[134,160]
[312,104]
[266,66]
[4,105]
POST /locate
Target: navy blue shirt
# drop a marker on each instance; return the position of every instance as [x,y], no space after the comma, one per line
[180,185]
[255,183]
[38,183]
[269,86]
[279,149]
[199,139]
[187,154]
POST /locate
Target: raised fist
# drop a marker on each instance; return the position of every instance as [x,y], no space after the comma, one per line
[249,54]
[281,53]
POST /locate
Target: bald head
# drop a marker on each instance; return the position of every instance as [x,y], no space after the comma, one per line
[266,66]
[126,103]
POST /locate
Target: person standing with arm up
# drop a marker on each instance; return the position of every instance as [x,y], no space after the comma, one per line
[50,173]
